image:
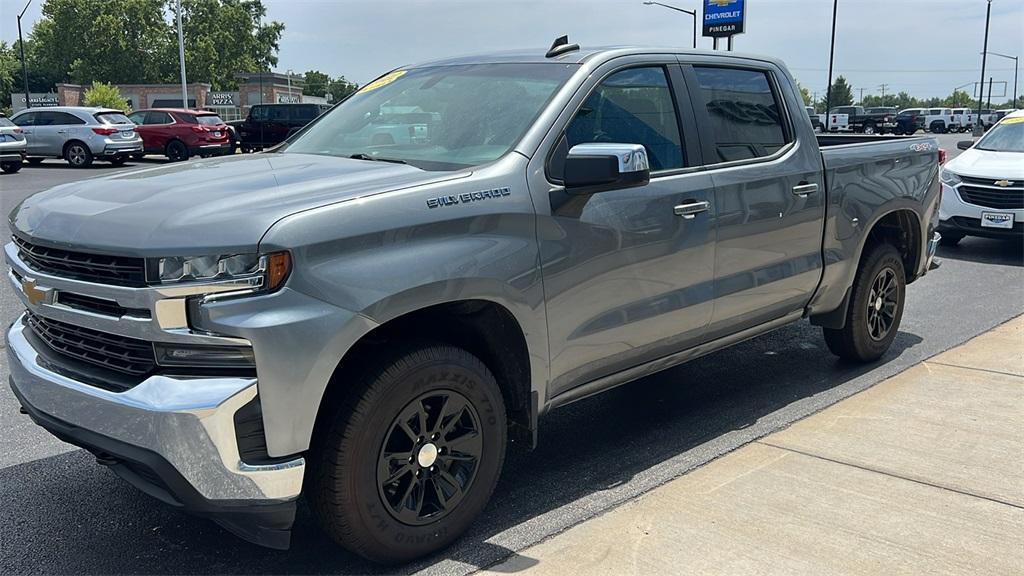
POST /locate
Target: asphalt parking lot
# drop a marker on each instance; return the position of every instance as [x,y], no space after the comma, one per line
[65,514]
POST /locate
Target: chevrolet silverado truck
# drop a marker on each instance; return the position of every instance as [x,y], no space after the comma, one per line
[369,326]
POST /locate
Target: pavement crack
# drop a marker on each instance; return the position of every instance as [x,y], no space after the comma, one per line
[891,475]
[989,370]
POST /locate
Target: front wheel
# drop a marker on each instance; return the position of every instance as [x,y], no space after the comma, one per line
[405,467]
[875,308]
[10,167]
[869,129]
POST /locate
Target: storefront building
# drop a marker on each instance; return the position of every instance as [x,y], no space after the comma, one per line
[254,88]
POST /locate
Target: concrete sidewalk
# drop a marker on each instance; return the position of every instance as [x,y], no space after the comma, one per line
[920,474]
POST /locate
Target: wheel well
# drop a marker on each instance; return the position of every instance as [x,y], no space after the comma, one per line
[901,229]
[485,329]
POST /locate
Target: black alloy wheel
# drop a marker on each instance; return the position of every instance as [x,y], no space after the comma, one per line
[882,303]
[430,457]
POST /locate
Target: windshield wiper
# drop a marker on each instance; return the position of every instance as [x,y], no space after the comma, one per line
[363,156]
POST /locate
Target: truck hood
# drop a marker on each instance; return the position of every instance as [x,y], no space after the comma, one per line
[988,164]
[220,205]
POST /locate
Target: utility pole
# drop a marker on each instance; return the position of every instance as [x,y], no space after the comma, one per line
[181,59]
[990,93]
[24,65]
[883,87]
[831,59]
[861,96]
[978,130]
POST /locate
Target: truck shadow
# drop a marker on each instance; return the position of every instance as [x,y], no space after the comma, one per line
[986,251]
[76,517]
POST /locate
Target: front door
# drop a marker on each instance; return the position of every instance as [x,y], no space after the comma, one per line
[769,195]
[627,277]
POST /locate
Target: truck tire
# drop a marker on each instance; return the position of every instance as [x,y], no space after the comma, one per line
[869,128]
[875,309]
[407,464]
[10,167]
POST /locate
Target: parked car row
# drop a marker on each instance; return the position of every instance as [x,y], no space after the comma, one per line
[883,120]
[82,135]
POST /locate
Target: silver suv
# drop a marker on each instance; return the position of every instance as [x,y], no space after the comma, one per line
[78,135]
[12,146]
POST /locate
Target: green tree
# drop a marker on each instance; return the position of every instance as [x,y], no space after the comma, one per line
[10,68]
[106,96]
[842,94]
[316,83]
[958,99]
[224,37]
[340,88]
[805,94]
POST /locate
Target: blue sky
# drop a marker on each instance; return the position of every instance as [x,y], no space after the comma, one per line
[926,47]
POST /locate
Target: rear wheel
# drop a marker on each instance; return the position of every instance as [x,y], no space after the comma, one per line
[10,167]
[78,155]
[869,128]
[177,151]
[406,466]
[875,308]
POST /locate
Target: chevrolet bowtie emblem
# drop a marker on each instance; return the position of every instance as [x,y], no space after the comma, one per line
[1003,183]
[35,295]
[722,3]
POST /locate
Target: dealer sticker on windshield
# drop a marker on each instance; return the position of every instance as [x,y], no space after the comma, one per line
[382,81]
[996,220]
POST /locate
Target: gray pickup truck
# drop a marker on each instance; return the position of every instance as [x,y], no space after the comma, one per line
[370,325]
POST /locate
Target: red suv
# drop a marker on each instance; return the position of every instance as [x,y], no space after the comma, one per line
[178,133]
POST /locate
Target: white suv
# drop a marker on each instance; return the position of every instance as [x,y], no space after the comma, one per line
[983,188]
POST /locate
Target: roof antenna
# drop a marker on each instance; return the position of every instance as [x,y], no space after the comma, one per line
[561,46]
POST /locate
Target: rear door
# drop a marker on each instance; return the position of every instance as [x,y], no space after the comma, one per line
[627,276]
[277,124]
[53,129]
[769,194]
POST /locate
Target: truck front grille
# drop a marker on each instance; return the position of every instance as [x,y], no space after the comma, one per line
[985,192]
[100,268]
[119,353]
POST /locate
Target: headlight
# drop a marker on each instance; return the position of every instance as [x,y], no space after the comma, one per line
[949,178]
[265,272]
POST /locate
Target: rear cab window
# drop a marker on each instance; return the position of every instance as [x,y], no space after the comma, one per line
[744,113]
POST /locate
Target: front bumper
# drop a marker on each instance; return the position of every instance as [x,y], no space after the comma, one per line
[961,218]
[172,437]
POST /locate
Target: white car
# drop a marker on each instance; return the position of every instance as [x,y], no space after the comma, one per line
[983,188]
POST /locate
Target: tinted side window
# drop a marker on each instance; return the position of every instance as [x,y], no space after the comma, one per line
[158,118]
[65,119]
[632,106]
[304,113]
[258,113]
[27,119]
[744,113]
[277,113]
[137,117]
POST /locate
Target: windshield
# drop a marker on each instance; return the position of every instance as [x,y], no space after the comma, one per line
[1007,136]
[437,118]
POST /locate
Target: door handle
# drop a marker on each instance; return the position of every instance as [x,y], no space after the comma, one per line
[62,131]
[691,209]
[805,189]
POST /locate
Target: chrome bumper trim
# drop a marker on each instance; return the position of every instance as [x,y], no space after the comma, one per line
[187,421]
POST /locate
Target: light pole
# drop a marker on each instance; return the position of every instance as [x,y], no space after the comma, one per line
[24,65]
[685,11]
[181,59]
[290,97]
[978,128]
[831,59]
[1015,62]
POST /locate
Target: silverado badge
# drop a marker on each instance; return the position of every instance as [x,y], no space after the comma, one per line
[466,197]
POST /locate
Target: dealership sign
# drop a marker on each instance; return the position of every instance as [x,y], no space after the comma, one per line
[289,98]
[724,18]
[223,99]
[36,100]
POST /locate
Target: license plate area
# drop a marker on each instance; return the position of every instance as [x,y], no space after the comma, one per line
[997,220]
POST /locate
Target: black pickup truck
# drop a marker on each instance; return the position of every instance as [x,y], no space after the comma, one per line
[270,124]
[869,120]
